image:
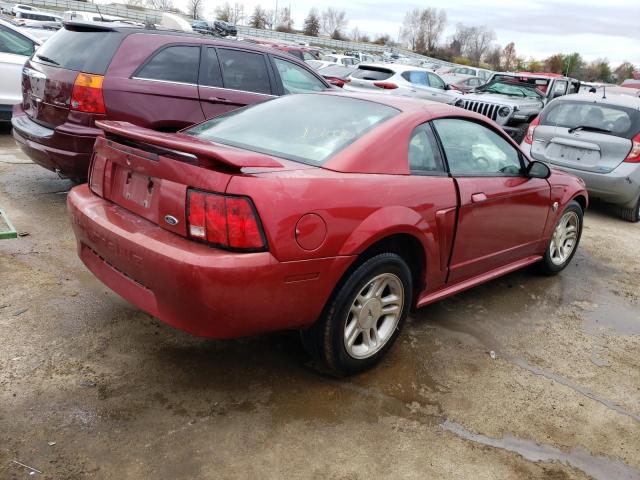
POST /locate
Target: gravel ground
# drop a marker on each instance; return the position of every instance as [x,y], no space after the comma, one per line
[90,387]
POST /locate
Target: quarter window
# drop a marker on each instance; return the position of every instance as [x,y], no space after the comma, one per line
[423,151]
[473,149]
[12,42]
[245,71]
[296,79]
[173,64]
[416,77]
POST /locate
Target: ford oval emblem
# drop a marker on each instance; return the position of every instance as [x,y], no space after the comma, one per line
[171,220]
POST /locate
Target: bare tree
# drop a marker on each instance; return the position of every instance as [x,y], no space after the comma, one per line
[332,21]
[432,24]
[194,8]
[479,42]
[259,18]
[284,22]
[164,5]
[494,57]
[411,27]
[135,3]
[224,12]
[461,39]
[509,57]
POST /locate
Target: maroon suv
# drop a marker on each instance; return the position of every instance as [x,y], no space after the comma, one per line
[163,80]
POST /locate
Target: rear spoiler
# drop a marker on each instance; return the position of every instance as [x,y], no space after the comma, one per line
[180,142]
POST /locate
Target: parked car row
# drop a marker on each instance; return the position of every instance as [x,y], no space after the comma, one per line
[298,212]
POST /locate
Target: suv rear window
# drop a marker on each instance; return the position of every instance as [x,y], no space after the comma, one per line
[616,120]
[88,51]
[173,64]
[372,73]
[285,128]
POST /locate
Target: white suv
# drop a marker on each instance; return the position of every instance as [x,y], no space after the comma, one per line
[397,79]
[16,46]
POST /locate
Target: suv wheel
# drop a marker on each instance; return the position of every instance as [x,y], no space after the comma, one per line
[564,240]
[364,316]
[631,214]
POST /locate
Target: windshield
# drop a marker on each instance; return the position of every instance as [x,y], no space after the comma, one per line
[285,128]
[512,90]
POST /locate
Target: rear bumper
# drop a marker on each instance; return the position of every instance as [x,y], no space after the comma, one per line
[193,287]
[620,186]
[61,149]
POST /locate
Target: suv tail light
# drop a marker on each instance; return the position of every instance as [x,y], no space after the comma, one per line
[528,138]
[634,154]
[224,221]
[386,85]
[87,94]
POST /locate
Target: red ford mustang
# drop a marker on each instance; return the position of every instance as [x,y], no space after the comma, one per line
[327,213]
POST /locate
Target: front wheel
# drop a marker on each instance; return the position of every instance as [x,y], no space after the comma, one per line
[564,240]
[363,317]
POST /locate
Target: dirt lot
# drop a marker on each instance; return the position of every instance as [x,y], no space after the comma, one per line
[124,396]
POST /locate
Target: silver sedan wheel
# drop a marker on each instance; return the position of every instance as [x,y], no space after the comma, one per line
[564,238]
[373,316]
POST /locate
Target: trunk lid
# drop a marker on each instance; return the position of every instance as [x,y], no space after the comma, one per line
[560,140]
[366,76]
[149,172]
[49,75]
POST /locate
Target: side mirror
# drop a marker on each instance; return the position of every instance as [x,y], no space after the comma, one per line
[538,170]
[447,86]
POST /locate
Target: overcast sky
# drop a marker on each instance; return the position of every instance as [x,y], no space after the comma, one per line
[595,28]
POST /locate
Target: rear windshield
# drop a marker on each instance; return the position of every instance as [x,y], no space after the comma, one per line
[84,51]
[284,127]
[611,119]
[372,73]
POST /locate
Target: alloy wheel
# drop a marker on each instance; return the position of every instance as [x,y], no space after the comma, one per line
[373,316]
[564,238]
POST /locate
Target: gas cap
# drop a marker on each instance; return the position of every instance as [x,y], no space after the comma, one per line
[311,230]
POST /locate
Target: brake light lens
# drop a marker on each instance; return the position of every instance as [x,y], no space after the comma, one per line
[528,138]
[87,94]
[634,154]
[224,221]
[386,85]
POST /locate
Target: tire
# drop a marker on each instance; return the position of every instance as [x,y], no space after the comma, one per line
[326,340]
[632,213]
[556,259]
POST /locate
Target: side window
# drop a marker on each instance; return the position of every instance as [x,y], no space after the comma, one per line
[560,88]
[424,155]
[244,71]
[473,149]
[435,81]
[210,75]
[307,56]
[173,64]
[296,79]
[415,77]
[12,42]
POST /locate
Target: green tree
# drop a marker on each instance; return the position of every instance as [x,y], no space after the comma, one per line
[312,24]
[572,65]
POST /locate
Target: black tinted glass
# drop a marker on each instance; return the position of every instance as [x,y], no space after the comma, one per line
[210,70]
[173,64]
[84,51]
[244,71]
[372,73]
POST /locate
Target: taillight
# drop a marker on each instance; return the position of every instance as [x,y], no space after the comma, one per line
[336,81]
[528,138]
[634,154]
[386,85]
[225,221]
[87,94]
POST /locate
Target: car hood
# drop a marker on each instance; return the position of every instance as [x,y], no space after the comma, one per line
[504,100]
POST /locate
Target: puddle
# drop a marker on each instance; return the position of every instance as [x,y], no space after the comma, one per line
[600,468]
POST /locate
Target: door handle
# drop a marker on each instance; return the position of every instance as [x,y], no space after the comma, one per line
[219,100]
[478,197]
